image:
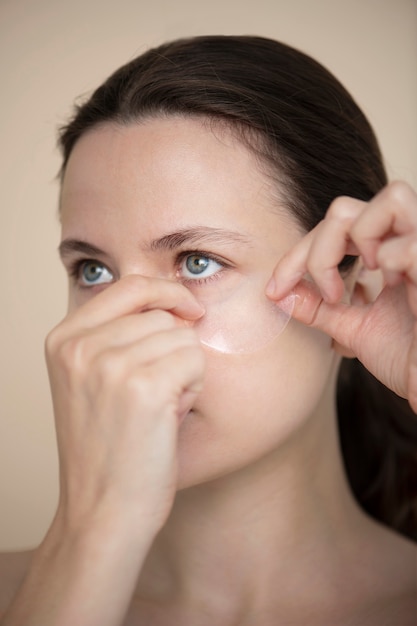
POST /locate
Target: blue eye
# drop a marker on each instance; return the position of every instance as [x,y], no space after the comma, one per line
[195,266]
[93,273]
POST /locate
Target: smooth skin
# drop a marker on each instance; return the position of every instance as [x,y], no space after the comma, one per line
[196,487]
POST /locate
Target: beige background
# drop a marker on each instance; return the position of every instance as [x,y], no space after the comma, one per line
[52,51]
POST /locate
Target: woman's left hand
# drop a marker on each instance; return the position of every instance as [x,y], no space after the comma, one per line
[382,333]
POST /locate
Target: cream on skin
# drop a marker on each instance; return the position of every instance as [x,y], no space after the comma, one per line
[263,502]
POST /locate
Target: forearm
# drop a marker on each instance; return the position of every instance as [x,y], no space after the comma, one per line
[85,578]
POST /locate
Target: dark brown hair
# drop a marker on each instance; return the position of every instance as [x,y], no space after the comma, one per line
[303,124]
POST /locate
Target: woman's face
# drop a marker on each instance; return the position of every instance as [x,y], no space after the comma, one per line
[128,188]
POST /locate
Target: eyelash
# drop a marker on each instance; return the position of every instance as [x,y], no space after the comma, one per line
[207,255]
[76,267]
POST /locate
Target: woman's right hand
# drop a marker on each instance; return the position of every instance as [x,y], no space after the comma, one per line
[123,371]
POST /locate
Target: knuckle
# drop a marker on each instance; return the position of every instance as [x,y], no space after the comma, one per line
[341,209]
[108,365]
[399,192]
[314,262]
[139,384]
[67,350]
[71,353]
[77,354]
[52,341]
[60,348]
[144,389]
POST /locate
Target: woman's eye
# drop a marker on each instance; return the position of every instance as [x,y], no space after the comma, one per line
[93,273]
[199,266]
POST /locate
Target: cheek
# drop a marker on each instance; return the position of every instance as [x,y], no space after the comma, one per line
[241,320]
[251,404]
[286,376]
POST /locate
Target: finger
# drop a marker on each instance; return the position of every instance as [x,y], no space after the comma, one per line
[120,360]
[182,370]
[398,256]
[168,381]
[291,268]
[392,211]
[349,326]
[338,320]
[412,380]
[128,329]
[330,246]
[319,253]
[132,294]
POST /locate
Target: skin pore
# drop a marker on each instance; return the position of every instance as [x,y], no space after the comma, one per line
[263,526]
[263,529]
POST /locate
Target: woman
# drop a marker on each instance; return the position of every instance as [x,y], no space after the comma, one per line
[202,481]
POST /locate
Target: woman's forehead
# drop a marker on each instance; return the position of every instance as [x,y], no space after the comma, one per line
[166,159]
[172,173]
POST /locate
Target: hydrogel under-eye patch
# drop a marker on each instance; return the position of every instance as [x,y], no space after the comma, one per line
[241,319]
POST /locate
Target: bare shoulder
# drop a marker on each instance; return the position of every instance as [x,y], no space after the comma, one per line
[13,567]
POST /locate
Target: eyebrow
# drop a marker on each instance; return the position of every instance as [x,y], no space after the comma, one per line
[68,246]
[172,241]
[193,236]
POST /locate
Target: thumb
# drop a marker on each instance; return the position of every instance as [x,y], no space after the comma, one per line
[340,321]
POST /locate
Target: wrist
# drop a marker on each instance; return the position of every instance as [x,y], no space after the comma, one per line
[82,575]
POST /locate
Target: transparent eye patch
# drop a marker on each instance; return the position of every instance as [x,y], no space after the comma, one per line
[241,319]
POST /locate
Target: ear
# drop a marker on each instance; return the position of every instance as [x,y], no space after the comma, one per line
[363,289]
